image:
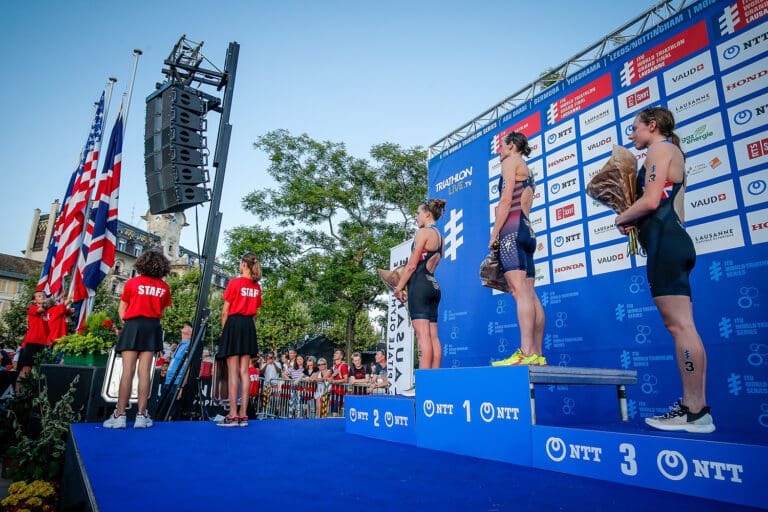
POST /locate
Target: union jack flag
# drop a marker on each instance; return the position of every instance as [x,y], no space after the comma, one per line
[67,235]
[98,253]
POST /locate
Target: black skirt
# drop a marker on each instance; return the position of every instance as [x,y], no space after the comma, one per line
[28,354]
[141,334]
[238,338]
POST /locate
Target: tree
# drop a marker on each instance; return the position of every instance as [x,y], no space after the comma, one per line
[365,335]
[184,290]
[332,212]
[550,77]
[14,321]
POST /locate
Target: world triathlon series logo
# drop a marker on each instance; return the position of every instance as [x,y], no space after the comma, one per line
[715,271]
[553,113]
[735,384]
[627,73]
[725,327]
[453,229]
[729,19]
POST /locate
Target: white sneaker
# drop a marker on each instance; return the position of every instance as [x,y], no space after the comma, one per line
[114,421]
[143,421]
[680,418]
[411,391]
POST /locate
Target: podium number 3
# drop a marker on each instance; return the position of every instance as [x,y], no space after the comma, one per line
[629,466]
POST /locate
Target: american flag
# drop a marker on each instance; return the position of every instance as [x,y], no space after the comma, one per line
[67,236]
[98,253]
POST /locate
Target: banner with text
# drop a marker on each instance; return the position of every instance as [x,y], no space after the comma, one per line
[709,65]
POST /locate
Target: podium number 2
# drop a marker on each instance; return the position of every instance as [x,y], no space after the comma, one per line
[375,417]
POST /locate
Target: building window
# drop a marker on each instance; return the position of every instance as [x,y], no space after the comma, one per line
[133,272]
[19,288]
[137,250]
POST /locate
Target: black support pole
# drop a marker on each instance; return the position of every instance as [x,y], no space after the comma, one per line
[208,256]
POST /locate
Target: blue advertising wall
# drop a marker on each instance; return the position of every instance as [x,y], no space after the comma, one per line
[709,65]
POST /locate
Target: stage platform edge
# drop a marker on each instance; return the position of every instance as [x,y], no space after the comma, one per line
[487,412]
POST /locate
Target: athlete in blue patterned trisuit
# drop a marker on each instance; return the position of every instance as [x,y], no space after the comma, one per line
[423,290]
[513,237]
[658,216]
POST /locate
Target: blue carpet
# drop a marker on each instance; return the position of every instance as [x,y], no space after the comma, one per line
[316,465]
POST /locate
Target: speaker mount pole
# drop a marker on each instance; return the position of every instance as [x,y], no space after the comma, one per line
[180,69]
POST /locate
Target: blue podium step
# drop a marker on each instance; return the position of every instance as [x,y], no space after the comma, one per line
[390,418]
[490,413]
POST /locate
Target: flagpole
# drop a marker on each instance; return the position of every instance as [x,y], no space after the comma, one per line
[136,54]
[87,305]
[107,101]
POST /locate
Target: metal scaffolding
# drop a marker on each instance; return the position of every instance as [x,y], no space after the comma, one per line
[649,19]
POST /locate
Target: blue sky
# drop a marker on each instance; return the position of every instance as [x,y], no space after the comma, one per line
[361,73]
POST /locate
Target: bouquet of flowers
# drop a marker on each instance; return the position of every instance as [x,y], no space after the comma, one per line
[392,277]
[615,187]
[491,273]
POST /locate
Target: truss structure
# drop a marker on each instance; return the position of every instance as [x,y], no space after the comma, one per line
[627,32]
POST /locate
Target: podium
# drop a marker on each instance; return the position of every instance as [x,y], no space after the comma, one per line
[490,413]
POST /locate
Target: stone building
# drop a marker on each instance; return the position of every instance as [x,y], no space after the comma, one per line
[14,270]
[163,232]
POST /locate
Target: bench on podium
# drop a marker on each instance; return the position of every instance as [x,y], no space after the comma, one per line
[564,375]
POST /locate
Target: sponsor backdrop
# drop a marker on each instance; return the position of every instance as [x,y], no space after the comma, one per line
[709,66]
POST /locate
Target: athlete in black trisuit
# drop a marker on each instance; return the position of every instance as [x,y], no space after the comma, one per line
[423,289]
[658,216]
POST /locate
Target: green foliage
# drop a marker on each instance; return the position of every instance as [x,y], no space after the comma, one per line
[106,302]
[42,457]
[97,337]
[334,229]
[184,290]
[13,324]
[365,334]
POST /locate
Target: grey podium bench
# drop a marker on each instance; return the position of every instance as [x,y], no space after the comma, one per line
[582,376]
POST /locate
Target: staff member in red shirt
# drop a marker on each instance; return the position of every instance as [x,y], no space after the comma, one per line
[57,318]
[141,306]
[36,338]
[242,300]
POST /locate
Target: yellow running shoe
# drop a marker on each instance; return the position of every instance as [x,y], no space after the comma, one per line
[531,360]
[542,361]
[511,360]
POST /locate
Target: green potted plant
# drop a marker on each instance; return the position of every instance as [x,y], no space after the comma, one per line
[89,346]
